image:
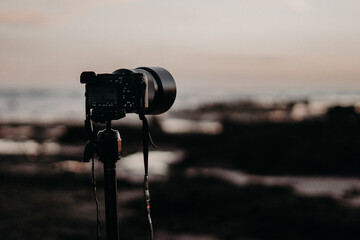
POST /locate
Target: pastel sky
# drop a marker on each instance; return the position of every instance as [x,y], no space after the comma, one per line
[235,43]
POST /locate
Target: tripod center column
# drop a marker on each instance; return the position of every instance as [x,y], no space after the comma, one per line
[108,143]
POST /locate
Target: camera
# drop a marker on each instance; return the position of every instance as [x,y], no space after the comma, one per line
[110,96]
[144,90]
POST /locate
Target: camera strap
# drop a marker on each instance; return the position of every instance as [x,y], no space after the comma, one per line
[146,138]
[98,219]
[89,151]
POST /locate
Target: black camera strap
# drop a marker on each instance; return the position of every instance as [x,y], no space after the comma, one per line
[89,153]
[98,219]
[146,139]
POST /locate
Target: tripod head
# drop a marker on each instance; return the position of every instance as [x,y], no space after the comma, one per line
[107,144]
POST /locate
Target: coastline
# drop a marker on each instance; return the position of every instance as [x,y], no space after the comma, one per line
[278,157]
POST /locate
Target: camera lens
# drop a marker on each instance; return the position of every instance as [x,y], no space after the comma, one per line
[161,89]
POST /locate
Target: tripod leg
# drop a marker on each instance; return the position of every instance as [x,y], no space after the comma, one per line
[110,188]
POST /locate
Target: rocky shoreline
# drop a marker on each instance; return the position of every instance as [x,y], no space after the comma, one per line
[46,189]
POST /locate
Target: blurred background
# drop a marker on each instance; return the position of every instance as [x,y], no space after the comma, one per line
[261,143]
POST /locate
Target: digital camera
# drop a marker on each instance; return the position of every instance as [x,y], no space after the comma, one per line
[145,90]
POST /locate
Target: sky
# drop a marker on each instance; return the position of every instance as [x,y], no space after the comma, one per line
[245,44]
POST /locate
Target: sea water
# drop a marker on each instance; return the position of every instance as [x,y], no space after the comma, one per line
[52,104]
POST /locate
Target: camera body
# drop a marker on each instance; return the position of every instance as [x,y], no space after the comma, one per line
[141,90]
[111,96]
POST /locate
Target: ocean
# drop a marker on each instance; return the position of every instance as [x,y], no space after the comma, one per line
[51,104]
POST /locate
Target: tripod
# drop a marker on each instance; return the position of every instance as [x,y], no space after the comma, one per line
[108,147]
